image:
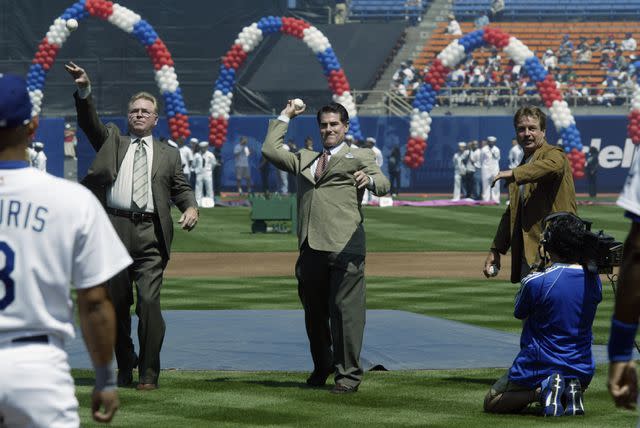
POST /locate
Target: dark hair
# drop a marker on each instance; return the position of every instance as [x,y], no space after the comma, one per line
[334,108]
[530,111]
[564,237]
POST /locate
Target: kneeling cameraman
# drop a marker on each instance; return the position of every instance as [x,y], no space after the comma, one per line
[558,306]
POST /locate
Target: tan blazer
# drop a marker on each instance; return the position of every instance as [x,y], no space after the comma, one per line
[329,210]
[548,188]
[167,180]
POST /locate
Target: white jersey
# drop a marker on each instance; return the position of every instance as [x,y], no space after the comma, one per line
[204,162]
[630,197]
[186,158]
[54,234]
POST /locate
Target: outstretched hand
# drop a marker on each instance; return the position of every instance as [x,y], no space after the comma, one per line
[80,77]
[507,175]
[291,111]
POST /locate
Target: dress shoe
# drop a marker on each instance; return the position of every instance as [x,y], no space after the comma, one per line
[341,388]
[147,386]
[125,378]
[318,379]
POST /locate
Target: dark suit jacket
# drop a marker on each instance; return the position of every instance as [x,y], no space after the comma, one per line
[548,188]
[167,181]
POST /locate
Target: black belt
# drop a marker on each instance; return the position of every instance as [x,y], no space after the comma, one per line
[134,216]
[43,338]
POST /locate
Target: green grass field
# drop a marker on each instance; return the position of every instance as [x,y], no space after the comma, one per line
[388,229]
[443,398]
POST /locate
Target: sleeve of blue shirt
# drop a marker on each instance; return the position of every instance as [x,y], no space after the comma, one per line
[525,299]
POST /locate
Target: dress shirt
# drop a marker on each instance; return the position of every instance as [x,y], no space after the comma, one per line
[120,194]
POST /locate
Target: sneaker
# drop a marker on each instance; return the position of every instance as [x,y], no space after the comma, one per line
[551,392]
[573,399]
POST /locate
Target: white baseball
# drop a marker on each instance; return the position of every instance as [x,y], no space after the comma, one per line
[298,104]
[493,270]
[72,24]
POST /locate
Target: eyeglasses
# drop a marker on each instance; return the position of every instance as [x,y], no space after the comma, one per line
[141,112]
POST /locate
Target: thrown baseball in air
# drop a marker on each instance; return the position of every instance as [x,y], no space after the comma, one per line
[72,24]
[298,104]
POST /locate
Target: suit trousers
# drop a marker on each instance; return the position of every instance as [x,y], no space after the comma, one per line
[331,287]
[141,239]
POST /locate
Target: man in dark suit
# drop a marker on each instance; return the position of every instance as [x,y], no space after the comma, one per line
[542,184]
[331,238]
[135,176]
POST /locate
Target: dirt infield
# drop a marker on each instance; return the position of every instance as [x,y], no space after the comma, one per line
[419,265]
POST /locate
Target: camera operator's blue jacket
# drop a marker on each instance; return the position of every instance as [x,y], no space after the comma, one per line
[558,306]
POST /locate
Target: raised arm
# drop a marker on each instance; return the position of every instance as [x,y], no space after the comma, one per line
[272,147]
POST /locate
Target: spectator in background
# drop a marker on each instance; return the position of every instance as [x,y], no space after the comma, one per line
[217,172]
[394,164]
[583,51]
[186,159]
[39,159]
[490,164]
[515,154]
[565,51]
[591,169]
[341,12]
[597,44]
[549,60]
[308,143]
[620,61]
[610,46]
[264,169]
[497,6]
[70,141]
[459,171]
[203,163]
[453,27]
[629,43]
[481,21]
[241,154]
[413,11]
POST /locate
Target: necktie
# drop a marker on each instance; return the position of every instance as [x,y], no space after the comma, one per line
[322,164]
[140,176]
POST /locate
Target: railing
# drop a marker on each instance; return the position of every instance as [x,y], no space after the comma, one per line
[395,104]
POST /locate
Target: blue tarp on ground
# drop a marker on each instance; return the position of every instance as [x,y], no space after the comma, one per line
[275,340]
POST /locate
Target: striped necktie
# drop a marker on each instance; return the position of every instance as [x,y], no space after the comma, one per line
[323,161]
[140,191]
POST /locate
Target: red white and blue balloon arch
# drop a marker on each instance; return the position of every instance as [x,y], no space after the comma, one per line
[247,40]
[165,73]
[453,54]
[130,22]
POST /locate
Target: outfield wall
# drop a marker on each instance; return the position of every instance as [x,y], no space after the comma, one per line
[436,175]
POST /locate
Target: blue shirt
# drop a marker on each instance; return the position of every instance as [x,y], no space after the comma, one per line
[558,307]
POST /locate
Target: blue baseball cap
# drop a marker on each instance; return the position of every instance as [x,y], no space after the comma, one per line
[15,104]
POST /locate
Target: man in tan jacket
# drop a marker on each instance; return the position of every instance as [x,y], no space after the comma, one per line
[542,184]
[331,239]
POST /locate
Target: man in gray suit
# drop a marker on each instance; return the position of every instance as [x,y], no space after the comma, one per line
[331,239]
[135,176]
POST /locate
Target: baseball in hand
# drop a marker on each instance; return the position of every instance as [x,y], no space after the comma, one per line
[493,270]
[298,104]
[72,24]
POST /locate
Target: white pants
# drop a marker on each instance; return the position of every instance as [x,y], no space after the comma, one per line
[284,181]
[206,181]
[489,193]
[457,181]
[36,387]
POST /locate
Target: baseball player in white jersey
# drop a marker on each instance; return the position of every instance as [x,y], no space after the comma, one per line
[186,158]
[40,158]
[48,244]
[623,380]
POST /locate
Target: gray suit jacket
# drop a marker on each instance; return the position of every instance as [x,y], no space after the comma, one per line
[329,210]
[167,181]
